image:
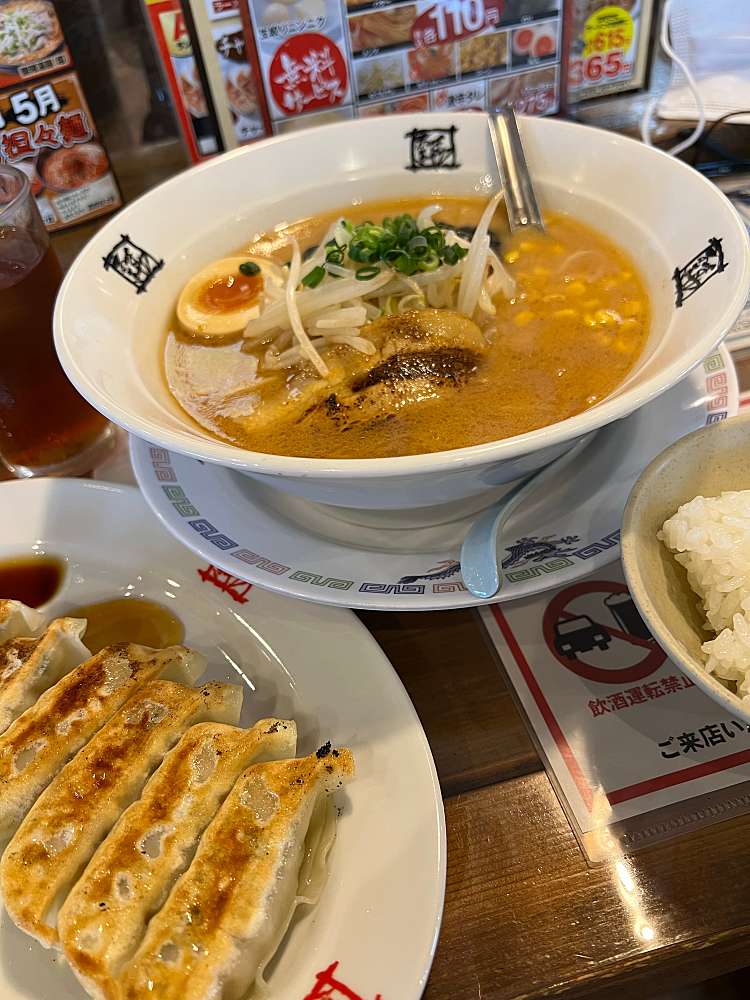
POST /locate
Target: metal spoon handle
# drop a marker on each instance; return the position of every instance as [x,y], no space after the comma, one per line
[520,199]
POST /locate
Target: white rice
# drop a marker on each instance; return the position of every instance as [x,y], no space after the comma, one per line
[710,537]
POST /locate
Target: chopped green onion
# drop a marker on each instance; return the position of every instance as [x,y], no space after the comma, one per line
[429,262]
[313,278]
[405,264]
[334,253]
[365,273]
[396,242]
[249,268]
[454,253]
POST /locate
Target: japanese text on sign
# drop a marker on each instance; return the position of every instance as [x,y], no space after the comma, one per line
[308,71]
[711,735]
[68,128]
[445,22]
[638,695]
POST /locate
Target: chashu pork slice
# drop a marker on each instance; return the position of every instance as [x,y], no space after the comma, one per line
[50,732]
[75,813]
[104,918]
[29,666]
[17,619]
[228,913]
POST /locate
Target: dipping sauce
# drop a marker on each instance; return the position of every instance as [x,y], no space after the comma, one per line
[128,619]
[33,580]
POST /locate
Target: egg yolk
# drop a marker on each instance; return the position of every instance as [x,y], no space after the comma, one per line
[230,292]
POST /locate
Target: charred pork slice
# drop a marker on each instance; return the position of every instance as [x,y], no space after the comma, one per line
[423,353]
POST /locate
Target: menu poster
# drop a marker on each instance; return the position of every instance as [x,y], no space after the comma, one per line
[406,55]
[303,57]
[608,47]
[241,90]
[46,130]
[31,41]
[457,54]
[176,50]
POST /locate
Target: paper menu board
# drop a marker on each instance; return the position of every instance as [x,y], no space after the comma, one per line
[173,42]
[47,131]
[624,733]
[239,88]
[31,41]
[303,56]
[408,55]
[608,47]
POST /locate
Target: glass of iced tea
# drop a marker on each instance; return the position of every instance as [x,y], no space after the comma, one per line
[46,428]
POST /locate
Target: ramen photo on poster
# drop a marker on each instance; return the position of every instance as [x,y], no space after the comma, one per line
[47,131]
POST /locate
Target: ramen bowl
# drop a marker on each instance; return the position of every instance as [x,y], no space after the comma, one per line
[118,297]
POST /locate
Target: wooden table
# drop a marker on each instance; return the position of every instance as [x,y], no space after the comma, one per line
[525,915]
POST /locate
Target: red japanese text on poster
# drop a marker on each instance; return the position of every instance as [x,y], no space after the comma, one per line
[46,130]
[31,41]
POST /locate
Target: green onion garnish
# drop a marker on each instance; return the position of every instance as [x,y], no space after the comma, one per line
[396,242]
[249,268]
[365,273]
[313,278]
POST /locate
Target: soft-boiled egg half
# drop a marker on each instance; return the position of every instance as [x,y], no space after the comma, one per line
[224,296]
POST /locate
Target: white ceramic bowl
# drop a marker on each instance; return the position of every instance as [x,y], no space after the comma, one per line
[708,462]
[109,337]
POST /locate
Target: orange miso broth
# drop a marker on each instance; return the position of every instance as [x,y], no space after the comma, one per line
[558,322]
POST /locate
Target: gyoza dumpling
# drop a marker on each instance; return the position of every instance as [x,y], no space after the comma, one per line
[73,815]
[17,619]
[227,914]
[104,918]
[30,666]
[50,732]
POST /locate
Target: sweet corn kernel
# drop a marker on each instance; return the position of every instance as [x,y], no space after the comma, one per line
[557,248]
[576,288]
[564,314]
[630,326]
[523,318]
[540,272]
[632,308]
[589,320]
[607,317]
[553,297]
[511,257]
[591,304]
[607,284]
[626,275]
[528,245]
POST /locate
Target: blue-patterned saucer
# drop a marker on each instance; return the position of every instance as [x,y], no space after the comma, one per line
[292,546]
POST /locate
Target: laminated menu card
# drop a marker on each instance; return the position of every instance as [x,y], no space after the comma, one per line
[631,744]
[328,60]
[47,131]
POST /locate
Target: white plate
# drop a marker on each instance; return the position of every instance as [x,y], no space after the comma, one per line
[295,547]
[380,913]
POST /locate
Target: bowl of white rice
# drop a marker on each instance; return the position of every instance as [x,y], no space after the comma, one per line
[686,556]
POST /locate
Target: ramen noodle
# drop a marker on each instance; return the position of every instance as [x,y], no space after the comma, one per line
[407,327]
